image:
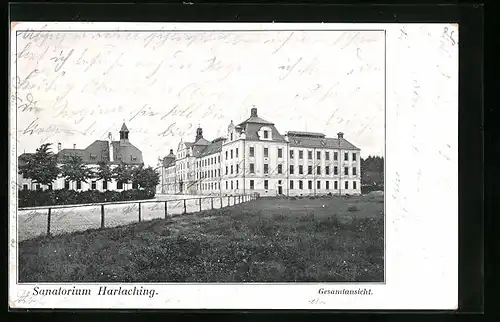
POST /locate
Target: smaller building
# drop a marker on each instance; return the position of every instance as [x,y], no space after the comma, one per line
[113,152]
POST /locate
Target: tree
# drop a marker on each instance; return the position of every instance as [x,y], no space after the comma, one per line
[147,178]
[372,171]
[104,172]
[41,166]
[122,173]
[73,169]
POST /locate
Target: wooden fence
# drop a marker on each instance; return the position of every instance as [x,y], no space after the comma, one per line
[186,205]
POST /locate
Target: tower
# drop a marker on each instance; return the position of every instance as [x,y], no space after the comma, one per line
[199,133]
[124,133]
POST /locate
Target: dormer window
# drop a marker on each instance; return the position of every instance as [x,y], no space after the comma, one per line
[266,135]
[119,157]
[93,157]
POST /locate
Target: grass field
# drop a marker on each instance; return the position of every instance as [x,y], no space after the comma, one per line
[329,239]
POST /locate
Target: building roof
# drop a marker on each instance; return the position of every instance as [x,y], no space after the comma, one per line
[306,134]
[212,148]
[202,141]
[254,119]
[325,143]
[127,151]
[252,129]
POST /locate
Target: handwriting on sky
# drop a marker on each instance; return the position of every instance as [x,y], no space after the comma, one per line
[75,87]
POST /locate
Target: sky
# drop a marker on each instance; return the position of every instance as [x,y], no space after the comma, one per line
[76,87]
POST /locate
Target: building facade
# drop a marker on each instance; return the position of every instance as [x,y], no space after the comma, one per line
[255,157]
[112,152]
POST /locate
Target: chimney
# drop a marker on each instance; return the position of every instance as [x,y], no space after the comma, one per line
[253,112]
[340,135]
[74,146]
[171,151]
[59,147]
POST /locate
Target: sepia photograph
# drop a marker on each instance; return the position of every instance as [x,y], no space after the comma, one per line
[233,166]
[200,156]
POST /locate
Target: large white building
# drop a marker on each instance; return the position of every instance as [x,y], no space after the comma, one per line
[122,151]
[255,157]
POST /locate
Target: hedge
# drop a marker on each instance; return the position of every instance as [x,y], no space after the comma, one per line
[38,198]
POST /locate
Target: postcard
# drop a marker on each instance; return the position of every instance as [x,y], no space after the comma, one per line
[233,166]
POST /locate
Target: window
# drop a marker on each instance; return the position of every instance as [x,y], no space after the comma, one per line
[309,169]
[301,185]
[318,155]
[49,186]
[92,157]
[301,154]
[327,170]
[231,154]
[335,170]
[227,169]
[218,170]
[252,168]
[335,156]
[231,136]
[354,185]
[318,169]
[104,185]
[252,184]
[266,184]
[318,184]
[354,157]
[237,184]
[226,185]
[346,171]
[346,156]
[266,152]
[93,185]
[218,158]
[309,184]
[226,155]
[280,168]
[347,184]
[291,154]
[335,185]
[354,171]
[266,168]
[232,185]
[252,151]
[280,153]
[327,185]
[119,185]
[135,185]
[236,152]
[266,134]
[291,184]
[231,169]
[237,168]
[309,155]
[327,156]
[78,185]
[25,187]
[301,169]
[38,187]
[291,169]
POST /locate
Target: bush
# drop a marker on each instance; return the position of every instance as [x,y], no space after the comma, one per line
[353,209]
[34,198]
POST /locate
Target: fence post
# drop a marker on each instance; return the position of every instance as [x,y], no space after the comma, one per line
[166,214]
[185,206]
[139,212]
[200,204]
[102,216]
[221,202]
[228,201]
[48,222]
[234,200]
[212,202]
[239,199]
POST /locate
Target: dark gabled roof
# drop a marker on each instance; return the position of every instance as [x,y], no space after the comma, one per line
[326,143]
[212,148]
[189,144]
[202,141]
[256,120]
[127,151]
[251,130]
